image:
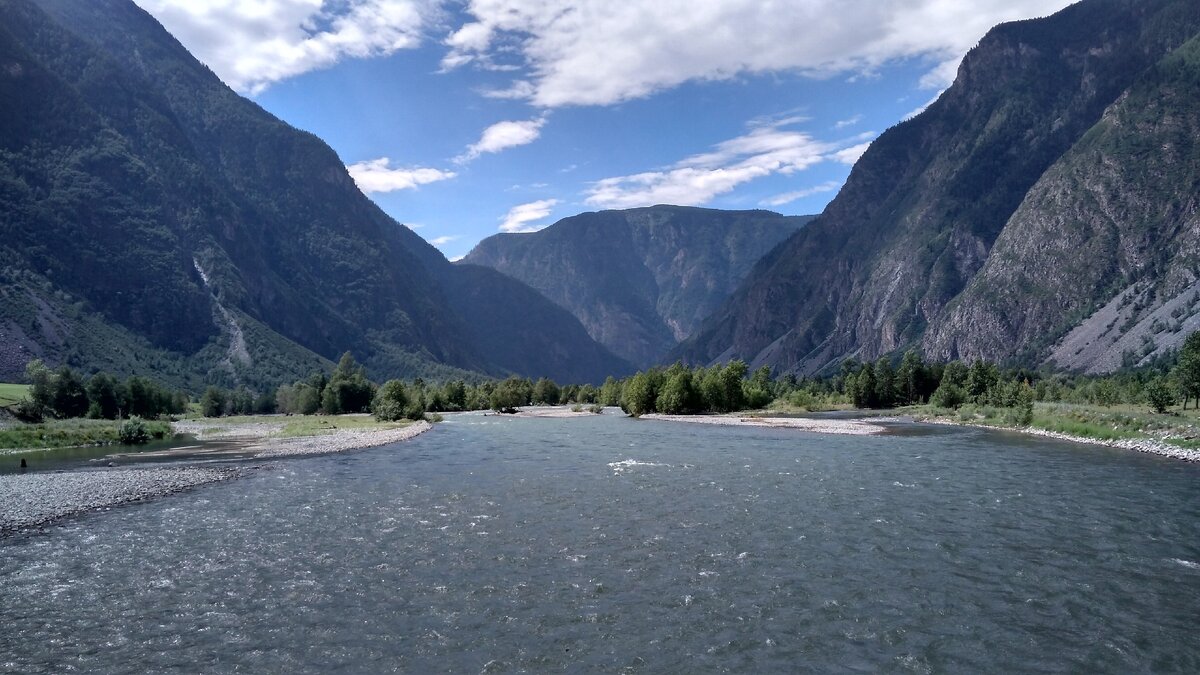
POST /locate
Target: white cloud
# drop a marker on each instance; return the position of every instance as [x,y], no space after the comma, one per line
[519,217]
[457,258]
[251,45]
[504,135]
[789,197]
[442,241]
[599,52]
[765,150]
[851,154]
[848,122]
[376,175]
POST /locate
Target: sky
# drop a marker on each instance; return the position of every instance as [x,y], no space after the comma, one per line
[464,118]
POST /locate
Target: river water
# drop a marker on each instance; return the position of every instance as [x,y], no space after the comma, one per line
[609,544]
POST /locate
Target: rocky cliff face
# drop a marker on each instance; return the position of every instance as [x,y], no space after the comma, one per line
[640,280]
[916,248]
[1103,255]
[201,234]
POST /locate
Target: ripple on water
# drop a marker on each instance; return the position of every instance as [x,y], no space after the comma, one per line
[720,549]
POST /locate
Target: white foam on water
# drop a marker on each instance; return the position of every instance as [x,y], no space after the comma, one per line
[1186,563]
[627,464]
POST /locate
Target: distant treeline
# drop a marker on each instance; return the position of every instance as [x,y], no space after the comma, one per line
[678,390]
[63,394]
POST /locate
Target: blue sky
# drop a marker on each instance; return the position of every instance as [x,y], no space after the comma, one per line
[463,119]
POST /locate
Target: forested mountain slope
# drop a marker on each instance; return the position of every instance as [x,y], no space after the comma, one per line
[155,221]
[1054,176]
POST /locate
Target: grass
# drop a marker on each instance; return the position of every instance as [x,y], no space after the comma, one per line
[294,426]
[11,393]
[1102,423]
[71,433]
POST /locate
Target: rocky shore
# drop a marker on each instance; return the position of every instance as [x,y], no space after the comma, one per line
[1152,446]
[31,500]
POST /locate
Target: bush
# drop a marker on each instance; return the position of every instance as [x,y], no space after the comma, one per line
[391,402]
[948,395]
[1159,395]
[596,409]
[133,431]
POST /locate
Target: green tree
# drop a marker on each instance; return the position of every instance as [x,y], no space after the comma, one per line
[885,383]
[1187,370]
[508,395]
[391,401]
[546,392]
[212,402]
[910,379]
[610,391]
[348,390]
[104,401]
[678,394]
[640,395]
[1159,395]
[981,380]
[41,385]
[69,398]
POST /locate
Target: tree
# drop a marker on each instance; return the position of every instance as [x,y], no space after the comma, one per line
[910,379]
[41,385]
[610,391]
[391,402]
[103,399]
[678,394]
[981,380]
[1159,395]
[885,383]
[1187,370]
[212,402]
[508,395]
[546,392]
[640,395]
[348,390]
[69,399]
[758,391]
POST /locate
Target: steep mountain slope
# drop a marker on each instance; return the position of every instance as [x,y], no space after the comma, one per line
[640,280]
[922,209]
[1116,220]
[139,192]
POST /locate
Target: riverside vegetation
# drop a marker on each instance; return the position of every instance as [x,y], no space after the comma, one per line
[1101,408]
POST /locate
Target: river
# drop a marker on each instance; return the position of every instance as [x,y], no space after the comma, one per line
[609,544]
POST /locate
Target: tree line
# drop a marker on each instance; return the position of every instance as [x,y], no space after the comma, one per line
[62,393]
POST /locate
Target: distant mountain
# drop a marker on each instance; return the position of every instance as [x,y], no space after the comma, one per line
[152,220]
[1044,208]
[640,280]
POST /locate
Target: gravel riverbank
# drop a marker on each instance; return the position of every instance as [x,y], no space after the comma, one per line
[1152,446]
[33,499]
[30,500]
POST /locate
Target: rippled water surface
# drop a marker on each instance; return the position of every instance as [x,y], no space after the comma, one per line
[610,544]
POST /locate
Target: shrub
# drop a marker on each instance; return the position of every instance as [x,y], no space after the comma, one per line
[948,395]
[133,431]
[391,402]
[1159,395]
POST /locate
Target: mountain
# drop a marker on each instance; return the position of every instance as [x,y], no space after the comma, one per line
[1042,209]
[643,279]
[154,221]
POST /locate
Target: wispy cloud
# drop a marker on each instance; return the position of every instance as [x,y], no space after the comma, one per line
[520,217]
[851,154]
[442,241]
[377,175]
[502,136]
[251,45]
[767,149]
[848,122]
[789,197]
